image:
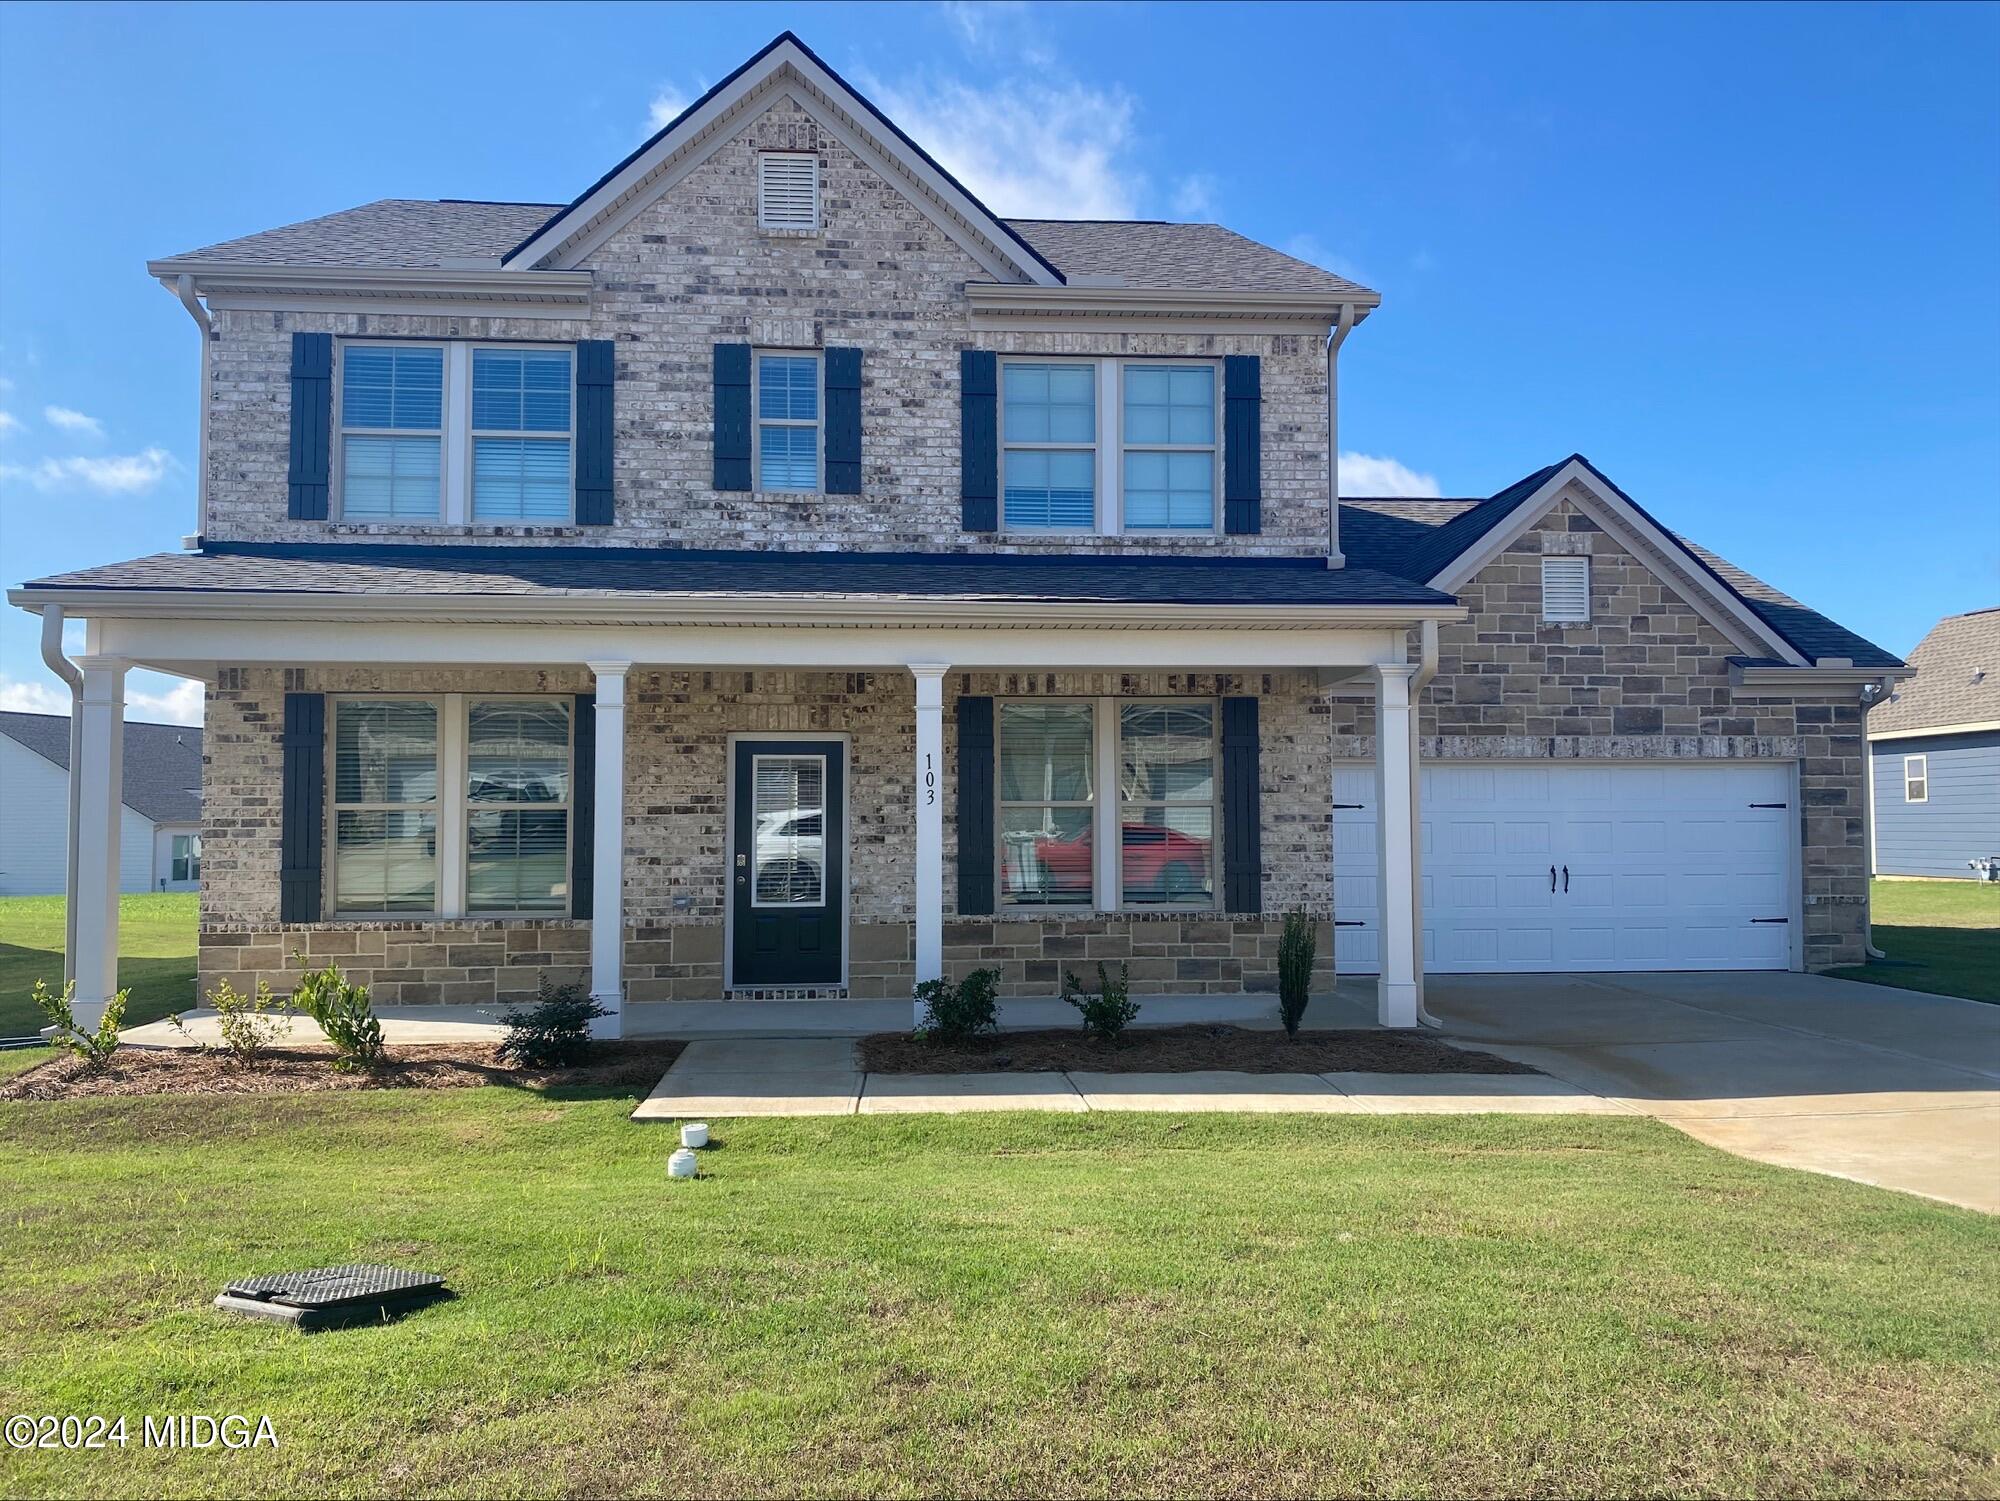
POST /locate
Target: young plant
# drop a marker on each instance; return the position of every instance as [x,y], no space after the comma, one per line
[343,1013]
[1295,970]
[93,1049]
[1111,1010]
[960,1012]
[555,1031]
[250,1024]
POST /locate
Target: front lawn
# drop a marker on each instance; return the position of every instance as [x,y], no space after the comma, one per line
[1940,936]
[1014,1304]
[156,942]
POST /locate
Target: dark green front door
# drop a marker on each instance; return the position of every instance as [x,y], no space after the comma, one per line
[788,862]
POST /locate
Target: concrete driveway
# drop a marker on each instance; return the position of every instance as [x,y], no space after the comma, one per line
[1861,1081]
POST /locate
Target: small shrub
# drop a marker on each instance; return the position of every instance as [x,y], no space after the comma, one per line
[92,1049]
[1295,970]
[1111,1010]
[250,1024]
[555,1031]
[960,1012]
[342,1011]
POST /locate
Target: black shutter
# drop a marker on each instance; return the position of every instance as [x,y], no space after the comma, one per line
[312,426]
[843,422]
[732,416]
[979,444]
[582,805]
[1242,443]
[302,827]
[976,849]
[1242,838]
[596,391]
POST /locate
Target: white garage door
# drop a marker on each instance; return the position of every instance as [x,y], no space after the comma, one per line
[1551,867]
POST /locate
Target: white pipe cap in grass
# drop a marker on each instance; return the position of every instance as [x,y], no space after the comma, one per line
[694,1134]
[681,1164]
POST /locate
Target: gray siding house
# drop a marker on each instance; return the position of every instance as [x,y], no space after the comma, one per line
[771,573]
[1934,756]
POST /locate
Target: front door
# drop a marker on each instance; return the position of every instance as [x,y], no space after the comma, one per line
[788,862]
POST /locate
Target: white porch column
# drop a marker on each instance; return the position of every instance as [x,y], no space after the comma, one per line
[100,777]
[1396,800]
[929,784]
[607,865]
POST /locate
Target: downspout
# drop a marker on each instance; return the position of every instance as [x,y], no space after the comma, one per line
[62,667]
[1427,668]
[1873,696]
[1335,337]
[184,289]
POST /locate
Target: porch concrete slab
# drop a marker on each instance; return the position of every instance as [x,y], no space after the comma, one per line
[1214,1090]
[1948,1154]
[411,1025]
[957,1094]
[1472,1094]
[705,1094]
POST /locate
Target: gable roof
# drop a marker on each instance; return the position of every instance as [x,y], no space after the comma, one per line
[1957,681]
[1157,255]
[162,761]
[397,233]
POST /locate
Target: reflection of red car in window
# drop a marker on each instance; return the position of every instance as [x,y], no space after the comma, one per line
[1158,861]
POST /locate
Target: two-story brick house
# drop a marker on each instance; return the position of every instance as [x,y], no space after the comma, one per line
[772,574]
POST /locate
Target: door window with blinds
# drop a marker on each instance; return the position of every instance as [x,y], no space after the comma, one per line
[451,806]
[788,816]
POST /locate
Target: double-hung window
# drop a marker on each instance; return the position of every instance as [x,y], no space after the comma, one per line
[1049,446]
[521,420]
[1916,779]
[1169,447]
[1048,778]
[391,431]
[787,391]
[1167,786]
[187,857]
[457,806]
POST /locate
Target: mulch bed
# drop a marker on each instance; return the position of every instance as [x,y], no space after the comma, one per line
[1146,1050]
[292,1070]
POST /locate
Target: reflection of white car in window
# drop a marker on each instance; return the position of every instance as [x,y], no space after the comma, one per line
[791,856]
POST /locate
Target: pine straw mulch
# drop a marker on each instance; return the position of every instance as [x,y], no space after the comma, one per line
[1167,1050]
[291,1070]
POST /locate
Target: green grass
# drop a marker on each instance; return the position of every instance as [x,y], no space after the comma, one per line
[1940,936]
[1024,1305]
[156,942]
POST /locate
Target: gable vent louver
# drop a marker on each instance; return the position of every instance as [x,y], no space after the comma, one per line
[1566,589]
[787,190]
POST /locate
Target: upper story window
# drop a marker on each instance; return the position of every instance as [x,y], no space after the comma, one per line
[456,432]
[1566,591]
[787,190]
[787,393]
[1109,445]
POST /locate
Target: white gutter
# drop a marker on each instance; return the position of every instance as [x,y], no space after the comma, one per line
[62,667]
[1335,337]
[479,282]
[183,288]
[1427,668]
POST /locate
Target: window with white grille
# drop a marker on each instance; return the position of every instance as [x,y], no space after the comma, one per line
[1565,590]
[1916,779]
[787,190]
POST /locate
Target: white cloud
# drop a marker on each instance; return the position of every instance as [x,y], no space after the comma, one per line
[666,106]
[69,420]
[9,424]
[181,703]
[1313,250]
[1027,149]
[114,474]
[1194,196]
[1375,475]
[32,698]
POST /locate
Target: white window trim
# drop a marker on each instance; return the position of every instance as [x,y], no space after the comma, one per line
[1107,809]
[1109,447]
[1921,777]
[818,215]
[452,807]
[1581,560]
[818,424]
[454,439]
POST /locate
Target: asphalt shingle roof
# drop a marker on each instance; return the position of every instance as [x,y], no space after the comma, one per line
[1172,257]
[671,573]
[1957,681]
[162,761]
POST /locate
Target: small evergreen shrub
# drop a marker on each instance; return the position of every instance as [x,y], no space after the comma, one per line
[555,1031]
[1108,1012]
[250,1024]
[92,1049]
[960,1012]
[1295,970]
[343,1012]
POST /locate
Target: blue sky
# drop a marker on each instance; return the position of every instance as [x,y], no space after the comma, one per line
[1744,258]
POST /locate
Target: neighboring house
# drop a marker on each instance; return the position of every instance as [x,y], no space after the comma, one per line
[159,845]
[1935,751]
[772,574]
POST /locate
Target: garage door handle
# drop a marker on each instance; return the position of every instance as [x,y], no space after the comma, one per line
[1565,880]
[1768,805]
[1552,878]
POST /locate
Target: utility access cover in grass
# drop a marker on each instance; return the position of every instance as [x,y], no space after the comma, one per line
[327,1295]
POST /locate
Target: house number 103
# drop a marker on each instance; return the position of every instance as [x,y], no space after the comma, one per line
[930,780]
